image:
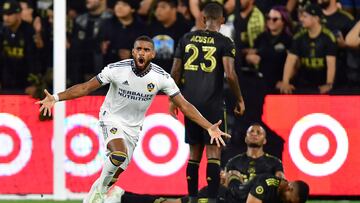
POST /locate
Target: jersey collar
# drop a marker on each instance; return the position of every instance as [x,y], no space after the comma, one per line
[138,72]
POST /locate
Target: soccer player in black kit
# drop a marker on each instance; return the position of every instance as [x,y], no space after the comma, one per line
[201,59]
[255,161]
[266,189]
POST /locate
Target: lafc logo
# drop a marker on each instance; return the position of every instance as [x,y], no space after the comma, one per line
[113,130]
[150,87]
[259,190]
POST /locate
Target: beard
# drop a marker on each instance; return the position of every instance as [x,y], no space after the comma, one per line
[324,4]
[254,145]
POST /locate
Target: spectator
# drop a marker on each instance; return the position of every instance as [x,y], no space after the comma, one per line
[27,11]
[315,47]
[18,49]
[166,31]
[125,24]
[340,23]
[270,48]
[85,54]
[249,23]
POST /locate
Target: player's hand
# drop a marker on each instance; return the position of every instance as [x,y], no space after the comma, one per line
[239,108]
[47,103]
[173,110]
[232,174]
[285,88]
[215,134]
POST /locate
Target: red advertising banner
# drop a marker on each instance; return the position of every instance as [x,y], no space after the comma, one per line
[321,135]
[26,149]
[26,160]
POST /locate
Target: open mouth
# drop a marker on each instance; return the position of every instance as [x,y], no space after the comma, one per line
[141,61]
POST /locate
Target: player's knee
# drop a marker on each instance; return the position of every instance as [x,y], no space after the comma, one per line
[117,157]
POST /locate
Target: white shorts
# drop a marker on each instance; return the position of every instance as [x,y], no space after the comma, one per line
[115,131]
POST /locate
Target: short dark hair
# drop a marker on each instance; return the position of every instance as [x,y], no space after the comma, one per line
[172,3]
[134,4]
[145,38]
[257,124]
[213,11]
[303,190]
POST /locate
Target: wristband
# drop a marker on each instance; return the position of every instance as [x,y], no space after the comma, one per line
[56,97]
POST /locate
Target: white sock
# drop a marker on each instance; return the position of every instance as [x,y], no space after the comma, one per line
[107,174]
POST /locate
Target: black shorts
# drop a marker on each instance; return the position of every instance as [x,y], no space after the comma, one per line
[195,134]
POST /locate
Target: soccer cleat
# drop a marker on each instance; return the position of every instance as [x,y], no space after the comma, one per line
[114,195]
[97,196]
[94,195]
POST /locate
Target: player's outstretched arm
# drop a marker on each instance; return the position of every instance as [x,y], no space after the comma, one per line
[73,92]
[192,113]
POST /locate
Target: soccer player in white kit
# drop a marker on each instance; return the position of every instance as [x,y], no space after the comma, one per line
[133,85]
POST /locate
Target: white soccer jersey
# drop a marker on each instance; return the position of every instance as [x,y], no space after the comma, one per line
[130,93]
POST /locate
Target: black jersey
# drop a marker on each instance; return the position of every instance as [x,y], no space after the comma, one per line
[273,51]
[312,53]
[201,52]
[263,187]
[120,36]
[250,167]
[340,21]
[165,40]
[17,56]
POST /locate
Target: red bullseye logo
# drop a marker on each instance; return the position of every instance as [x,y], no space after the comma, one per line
[161,150]
[15,144]
[318,144]
[84,147]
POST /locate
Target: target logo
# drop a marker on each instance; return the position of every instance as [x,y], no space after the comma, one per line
[16,144]
[84,148]
[318,144]
[161,148]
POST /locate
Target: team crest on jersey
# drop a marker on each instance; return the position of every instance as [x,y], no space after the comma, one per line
[113,130]
[150,87]
[259,190]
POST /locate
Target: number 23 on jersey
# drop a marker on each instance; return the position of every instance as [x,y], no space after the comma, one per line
[208,56]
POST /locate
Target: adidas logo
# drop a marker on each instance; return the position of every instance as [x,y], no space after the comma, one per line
[125,82]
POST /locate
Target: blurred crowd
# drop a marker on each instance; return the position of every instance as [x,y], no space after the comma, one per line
[286,46]
[283,46]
